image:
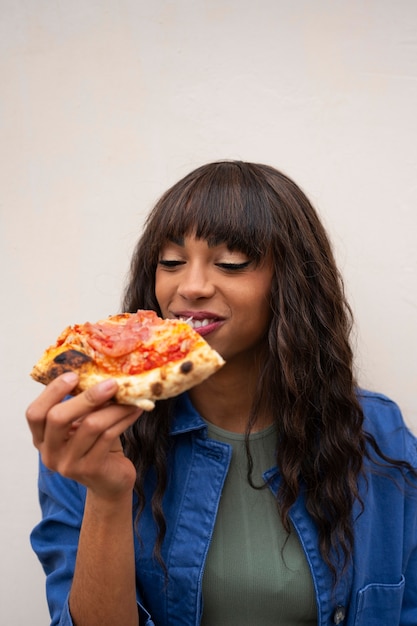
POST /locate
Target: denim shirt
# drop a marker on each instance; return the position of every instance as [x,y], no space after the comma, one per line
[379,588]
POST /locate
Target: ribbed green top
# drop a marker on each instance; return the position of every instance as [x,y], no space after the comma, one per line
[255,574]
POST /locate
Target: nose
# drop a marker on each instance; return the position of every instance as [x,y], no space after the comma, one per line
[196,283]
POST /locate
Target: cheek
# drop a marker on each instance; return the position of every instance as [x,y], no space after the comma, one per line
[261,316]
[254,307]
[261,308]
[161,291]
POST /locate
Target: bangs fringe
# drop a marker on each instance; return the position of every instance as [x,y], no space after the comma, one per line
[226,204]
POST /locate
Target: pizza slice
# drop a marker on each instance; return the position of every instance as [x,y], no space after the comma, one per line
[150,358]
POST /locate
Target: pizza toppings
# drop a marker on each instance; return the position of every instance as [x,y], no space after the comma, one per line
[117,339]
[151,358]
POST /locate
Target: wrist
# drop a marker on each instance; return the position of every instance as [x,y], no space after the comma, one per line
[114,505]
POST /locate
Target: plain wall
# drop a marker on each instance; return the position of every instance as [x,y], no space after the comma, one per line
[105,103]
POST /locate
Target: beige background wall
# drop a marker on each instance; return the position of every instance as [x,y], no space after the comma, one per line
[105,103]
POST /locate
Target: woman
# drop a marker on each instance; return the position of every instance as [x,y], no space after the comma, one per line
[276,492]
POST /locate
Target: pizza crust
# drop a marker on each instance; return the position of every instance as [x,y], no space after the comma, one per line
[163,382]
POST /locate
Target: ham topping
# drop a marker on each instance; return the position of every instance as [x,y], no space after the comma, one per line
[128,338]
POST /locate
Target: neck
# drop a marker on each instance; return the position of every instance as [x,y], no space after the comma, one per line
[226,398]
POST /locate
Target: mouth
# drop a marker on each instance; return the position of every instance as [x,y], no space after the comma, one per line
[201,322]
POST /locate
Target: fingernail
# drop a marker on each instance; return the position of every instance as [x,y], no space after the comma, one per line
[69,377]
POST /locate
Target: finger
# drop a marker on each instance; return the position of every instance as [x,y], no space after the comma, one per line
[107,424]
[49,410]
[66,415]
[91,438]
[54,393]
[84,418]
[100,432]
[63,414]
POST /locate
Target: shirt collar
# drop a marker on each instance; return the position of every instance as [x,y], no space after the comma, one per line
[186,418]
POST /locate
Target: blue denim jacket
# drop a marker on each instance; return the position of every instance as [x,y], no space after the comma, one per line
[378,589]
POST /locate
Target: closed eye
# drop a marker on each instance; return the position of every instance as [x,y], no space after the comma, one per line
[230,267]
[234,267]
[170,263]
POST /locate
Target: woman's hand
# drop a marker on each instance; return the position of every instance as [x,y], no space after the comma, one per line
[80,438]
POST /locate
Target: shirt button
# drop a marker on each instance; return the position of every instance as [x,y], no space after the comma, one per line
[339,614]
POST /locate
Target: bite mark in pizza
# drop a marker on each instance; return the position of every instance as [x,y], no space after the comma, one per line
[150,358]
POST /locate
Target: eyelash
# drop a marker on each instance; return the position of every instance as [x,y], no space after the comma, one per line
[169,264]
[233,267]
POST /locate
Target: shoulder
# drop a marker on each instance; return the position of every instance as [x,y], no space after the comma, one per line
[384,421]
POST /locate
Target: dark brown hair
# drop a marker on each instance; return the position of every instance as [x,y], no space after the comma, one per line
[307,381]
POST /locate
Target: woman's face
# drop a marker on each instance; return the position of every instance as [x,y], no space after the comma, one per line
[223,292]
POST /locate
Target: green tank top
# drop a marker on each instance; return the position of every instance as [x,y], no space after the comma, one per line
[255,573]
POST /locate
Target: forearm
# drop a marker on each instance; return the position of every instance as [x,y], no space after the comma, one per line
[103,592]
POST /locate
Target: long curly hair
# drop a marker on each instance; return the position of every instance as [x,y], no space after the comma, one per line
[307,378]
